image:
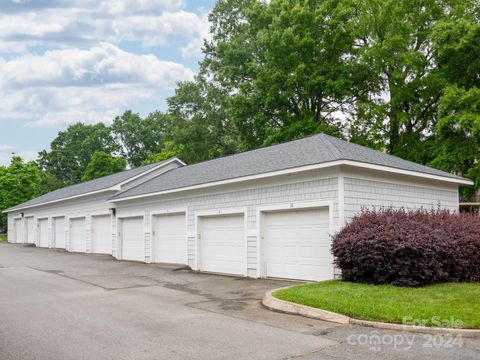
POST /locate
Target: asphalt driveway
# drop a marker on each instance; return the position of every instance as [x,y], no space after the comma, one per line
[59,305]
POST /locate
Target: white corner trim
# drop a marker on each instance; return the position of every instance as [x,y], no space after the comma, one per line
[341,201]
[301,169]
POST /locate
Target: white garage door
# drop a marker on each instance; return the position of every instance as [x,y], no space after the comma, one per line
[43,232]
[59,232]
[169,236]
[221,244]
[77,235]
[102,234]
[133,239]
[18,226]
[30,230]
[296,244]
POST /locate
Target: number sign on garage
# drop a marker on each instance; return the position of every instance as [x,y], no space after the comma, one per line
[296,244]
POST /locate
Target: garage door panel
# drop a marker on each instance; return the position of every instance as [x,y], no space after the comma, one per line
[133,239]
[59,232]
[77,235]
[43,232]
[19,234]
[222,244]
[102,234]
[30,230]
[169,238]
[297,244]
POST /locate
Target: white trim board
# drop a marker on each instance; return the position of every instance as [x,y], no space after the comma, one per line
[302,169]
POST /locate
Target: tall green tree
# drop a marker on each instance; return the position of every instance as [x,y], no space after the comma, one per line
[19,182]
[140,137]
[457,134]
[394,38]
[71,151]
[200,129]
[285,65]
[103,164]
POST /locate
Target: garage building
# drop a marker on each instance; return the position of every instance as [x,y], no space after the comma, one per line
[78,218]
[269,212]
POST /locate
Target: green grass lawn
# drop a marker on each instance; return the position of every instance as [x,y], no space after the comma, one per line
[3,237]
[387,303]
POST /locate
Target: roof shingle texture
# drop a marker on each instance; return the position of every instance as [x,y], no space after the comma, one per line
[87,187]
[316,149]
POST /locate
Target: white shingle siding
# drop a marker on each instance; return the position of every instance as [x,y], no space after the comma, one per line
[298,188]
[368,193]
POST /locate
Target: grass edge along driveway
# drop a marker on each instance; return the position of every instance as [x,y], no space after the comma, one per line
[445,305]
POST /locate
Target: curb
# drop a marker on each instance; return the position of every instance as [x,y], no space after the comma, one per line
[287,307]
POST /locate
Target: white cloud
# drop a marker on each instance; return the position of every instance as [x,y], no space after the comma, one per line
[98,65]
[65,61]
[137,6]
[153,22]
[193,49]
[69,85]
[6,156]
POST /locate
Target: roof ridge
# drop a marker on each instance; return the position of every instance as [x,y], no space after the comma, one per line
[326,140]
[256,149]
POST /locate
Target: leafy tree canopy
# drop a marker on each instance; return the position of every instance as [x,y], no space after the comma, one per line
[19,182]
[139,137]
[71,151]
[103,164]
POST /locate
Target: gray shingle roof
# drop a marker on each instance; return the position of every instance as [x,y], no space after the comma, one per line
[102,183]
[316,149]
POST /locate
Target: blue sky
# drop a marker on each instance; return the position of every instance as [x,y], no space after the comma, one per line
[64,61]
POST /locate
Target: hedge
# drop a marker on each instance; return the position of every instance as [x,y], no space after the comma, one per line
[409,248]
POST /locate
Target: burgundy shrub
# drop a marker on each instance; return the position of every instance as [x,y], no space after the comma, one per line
[409,248]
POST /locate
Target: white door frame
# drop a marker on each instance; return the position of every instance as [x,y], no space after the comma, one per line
[119,237]
[220,212]
[160,212]
[286,207]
